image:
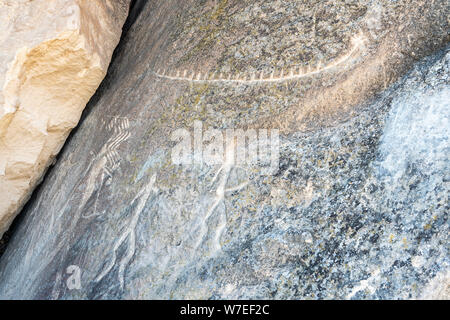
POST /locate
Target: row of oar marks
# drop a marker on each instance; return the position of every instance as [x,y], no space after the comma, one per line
[274,76]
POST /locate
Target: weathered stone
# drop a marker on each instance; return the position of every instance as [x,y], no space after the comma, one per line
[53,56]
[356,209]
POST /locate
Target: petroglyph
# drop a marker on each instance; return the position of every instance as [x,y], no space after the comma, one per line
[358,44]
[221,192]
[120,127]
[106,162]
[129,234]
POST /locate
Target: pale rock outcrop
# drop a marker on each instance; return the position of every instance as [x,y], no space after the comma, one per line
[53,56]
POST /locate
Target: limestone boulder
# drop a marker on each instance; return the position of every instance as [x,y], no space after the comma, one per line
[53,56]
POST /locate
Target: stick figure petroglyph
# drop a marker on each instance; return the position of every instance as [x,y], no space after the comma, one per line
[105,163]
[129,234]
[224,172]
[100,169]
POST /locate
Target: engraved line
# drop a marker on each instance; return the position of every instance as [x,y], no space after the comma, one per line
[142,198]
[358,43]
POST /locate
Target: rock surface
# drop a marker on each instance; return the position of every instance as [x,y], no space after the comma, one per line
[53,56]
[357,207]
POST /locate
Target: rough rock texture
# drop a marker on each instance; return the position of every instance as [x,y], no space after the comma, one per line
[53,56]
[357,209]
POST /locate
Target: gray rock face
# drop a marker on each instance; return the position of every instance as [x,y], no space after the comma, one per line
[356,207]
